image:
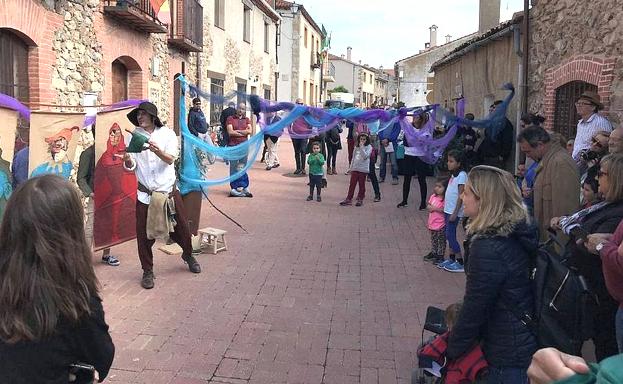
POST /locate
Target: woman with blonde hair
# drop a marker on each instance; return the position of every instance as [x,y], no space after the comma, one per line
[500,242]
[52,315]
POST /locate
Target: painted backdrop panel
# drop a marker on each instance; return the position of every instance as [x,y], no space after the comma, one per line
[115,188]
[53,140]
[8,125]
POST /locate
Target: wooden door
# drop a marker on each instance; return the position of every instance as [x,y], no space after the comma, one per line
[119,82]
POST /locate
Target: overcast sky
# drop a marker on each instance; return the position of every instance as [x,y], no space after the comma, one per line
[383,32]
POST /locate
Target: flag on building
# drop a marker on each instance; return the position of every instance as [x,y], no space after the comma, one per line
[326,40]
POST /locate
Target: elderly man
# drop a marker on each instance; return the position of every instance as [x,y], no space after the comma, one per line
[588,105]
[615,141]
[557,183]
[155,173]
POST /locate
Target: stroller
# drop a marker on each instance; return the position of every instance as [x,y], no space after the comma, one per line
[435,322]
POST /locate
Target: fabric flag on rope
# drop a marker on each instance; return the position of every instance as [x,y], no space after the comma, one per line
[164,12]
[53,141]
[8,125]
[115,188]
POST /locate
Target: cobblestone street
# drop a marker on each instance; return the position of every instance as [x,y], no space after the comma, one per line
[313,293]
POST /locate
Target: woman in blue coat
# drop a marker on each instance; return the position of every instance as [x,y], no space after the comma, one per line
[500,242]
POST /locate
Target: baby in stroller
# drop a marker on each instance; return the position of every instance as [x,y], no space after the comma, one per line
[432,363]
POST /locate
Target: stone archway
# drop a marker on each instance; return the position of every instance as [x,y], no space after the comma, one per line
[593,70]
[127,79]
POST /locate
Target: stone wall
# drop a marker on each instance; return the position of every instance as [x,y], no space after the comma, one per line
[571,40]
[77,68]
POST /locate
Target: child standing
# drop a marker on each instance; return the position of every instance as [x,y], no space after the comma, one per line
[315,161]
[453,210]
[359,168]
[437,222]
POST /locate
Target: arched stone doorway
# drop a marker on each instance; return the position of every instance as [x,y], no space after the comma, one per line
[127,79]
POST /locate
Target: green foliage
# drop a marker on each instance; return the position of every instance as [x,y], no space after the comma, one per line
[339,88]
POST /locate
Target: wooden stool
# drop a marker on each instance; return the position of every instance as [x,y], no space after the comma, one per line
[214,238]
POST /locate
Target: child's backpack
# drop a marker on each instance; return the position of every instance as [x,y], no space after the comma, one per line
[564,304]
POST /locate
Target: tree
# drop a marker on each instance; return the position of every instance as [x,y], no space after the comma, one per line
[339,88]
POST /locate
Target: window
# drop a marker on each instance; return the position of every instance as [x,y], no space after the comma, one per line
[311,95]
[246,27]
[364,77]
[267,94]
[119,81]
[219,13]
[565,115]
[305,37]
[253,90]
[266,37]
[13,66]
[216,88]
[304,91]
[242,90]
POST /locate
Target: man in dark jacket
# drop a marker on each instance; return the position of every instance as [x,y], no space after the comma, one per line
[196,119]
[227,112]
[496,151]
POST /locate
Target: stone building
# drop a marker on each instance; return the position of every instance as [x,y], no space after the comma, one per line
[56,52]
[575,46]
[476,70]
[381,87]
[299,52]
[357,78]
[415,82]
[240,51]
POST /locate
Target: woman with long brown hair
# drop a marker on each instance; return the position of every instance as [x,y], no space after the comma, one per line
[51,313]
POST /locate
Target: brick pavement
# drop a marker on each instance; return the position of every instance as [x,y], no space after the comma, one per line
[313,293]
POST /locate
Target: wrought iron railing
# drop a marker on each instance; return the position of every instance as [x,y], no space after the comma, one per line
[142,6]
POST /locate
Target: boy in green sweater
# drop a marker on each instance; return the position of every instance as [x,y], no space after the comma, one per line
[315,161]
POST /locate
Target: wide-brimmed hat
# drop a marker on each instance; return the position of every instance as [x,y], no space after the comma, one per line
[593,98]
[150,109]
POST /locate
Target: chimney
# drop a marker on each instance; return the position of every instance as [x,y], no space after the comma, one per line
[433,36]
[349,53]
[448,38]
[488,15]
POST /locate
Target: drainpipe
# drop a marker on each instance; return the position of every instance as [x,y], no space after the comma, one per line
[519,157]
[526,41]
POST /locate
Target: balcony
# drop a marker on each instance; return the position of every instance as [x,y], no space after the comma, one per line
[315,60]
[136,14]
[187,25]
[328,75]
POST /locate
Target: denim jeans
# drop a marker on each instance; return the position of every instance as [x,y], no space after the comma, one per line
[619,328]
[507,375]
[392,159]
[454,245]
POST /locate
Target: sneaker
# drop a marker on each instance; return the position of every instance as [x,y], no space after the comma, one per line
[318,199]
[303,172]
[444,263]
[422,206]
[359,203]
[193,265]
[430,257]
[454,267]
[394,181]
[111,260]
[347,172]
[310,198]
[377,198]
[329,171]
[346,202]
[402,204]
[147,281]
[297,172]
[268,167]
[276,165]
[248,194]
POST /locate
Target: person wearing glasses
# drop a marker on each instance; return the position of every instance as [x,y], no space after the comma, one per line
[599,220]
[591,156]
[556,178]
[587,106]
